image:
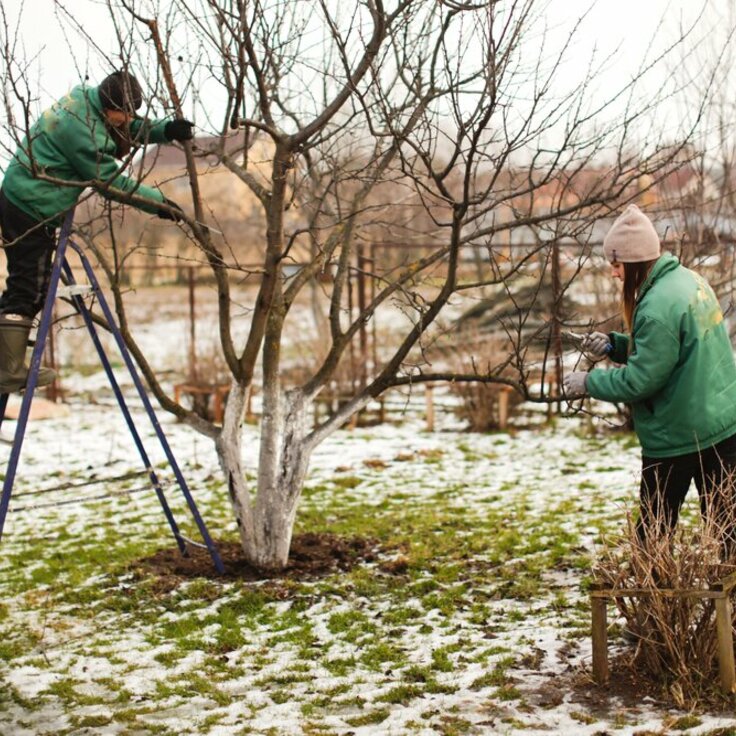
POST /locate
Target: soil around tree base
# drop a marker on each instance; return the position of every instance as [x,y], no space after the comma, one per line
[311,555]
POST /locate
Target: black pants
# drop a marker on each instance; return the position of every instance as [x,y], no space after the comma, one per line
[29,257]
[665,483]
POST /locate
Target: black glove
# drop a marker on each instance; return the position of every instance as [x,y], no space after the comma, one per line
[179,130]
[177,215]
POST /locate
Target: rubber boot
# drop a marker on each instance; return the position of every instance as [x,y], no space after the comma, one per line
[14,332]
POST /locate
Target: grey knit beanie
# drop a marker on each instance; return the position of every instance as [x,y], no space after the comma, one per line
[632,238]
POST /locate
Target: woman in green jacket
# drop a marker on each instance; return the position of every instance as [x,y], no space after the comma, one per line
[76,143]
[676,369]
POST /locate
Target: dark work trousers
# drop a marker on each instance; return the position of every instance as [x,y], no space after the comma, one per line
[665,483]
[29,257]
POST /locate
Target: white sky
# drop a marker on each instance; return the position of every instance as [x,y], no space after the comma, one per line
[630,25]
[609,23]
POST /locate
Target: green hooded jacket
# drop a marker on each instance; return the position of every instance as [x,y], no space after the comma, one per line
[680,375]
[70,142]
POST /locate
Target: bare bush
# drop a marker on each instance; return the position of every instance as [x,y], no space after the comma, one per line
[673,629]
[480,403]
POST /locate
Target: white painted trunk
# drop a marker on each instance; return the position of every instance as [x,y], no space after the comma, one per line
[265,525]
[283,463]
[229,452]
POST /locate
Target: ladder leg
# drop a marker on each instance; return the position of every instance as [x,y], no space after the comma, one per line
[38,348]
[212,549]
[81,308]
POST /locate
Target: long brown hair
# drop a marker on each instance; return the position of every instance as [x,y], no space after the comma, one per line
[122,139]
[634,276]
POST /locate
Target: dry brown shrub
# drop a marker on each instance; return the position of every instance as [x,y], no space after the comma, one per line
[305,358]
[480,406]
[211,370]
[479,402]
[674,639]
[211,365]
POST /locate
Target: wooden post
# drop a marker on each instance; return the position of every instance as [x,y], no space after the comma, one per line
[192,329]
[351,344]
[429,402]
[374,329]
[315,408]
[362,329]
[503,407]
[249,416]
[53,390]
[556,319]
[725,644]
[218,409]
[600,640]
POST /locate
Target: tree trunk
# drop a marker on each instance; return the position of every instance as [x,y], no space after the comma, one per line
[229,448]
[283,465]
[265,527]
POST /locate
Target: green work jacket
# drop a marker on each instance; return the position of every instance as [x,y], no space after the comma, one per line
[70,142]
[679,373]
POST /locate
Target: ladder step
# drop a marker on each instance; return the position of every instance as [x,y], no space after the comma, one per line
[67,292]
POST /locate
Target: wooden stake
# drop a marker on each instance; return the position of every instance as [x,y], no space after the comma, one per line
[725,645]
[503,408]
[600,640]
[193,373]
[429,402]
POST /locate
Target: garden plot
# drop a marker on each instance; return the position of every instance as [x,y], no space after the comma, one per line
[471,617]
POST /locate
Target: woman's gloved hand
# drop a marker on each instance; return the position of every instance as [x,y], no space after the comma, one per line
[573,385]
[596,345]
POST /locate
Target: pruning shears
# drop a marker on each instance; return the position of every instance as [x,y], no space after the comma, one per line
[578,340]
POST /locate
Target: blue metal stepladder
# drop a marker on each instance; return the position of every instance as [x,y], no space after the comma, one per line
[60,265]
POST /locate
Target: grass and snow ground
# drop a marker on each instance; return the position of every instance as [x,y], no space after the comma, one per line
[478,631]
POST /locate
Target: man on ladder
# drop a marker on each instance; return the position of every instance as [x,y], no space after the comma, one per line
[76,143]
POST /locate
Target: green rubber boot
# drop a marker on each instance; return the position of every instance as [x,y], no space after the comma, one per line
[14,331]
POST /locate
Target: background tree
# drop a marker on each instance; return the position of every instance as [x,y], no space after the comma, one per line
[698,201]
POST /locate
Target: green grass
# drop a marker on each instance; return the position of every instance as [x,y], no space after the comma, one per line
[352,648]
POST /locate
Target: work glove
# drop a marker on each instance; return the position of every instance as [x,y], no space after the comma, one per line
[573,385]
[179,130]
[177,215]
[596,345]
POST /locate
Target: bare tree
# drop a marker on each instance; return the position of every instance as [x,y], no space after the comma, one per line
[698,201]
[451,126]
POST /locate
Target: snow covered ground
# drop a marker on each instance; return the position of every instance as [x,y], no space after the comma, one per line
[481,634]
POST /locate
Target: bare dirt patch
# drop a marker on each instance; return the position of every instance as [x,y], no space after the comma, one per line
[627,691]
[311,556]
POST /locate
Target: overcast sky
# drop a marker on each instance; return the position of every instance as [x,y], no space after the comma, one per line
[630,25]
[609,23]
